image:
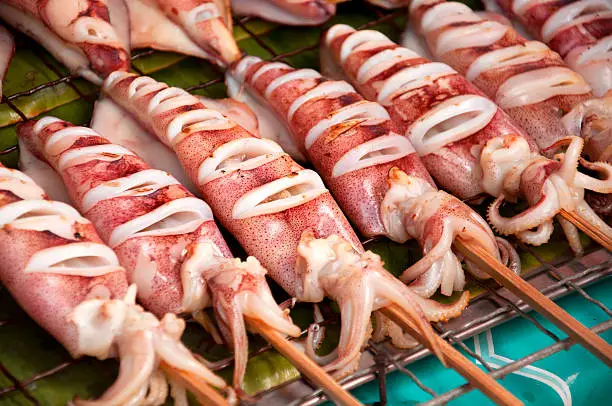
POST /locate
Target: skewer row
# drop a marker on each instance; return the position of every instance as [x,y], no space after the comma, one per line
[375,154]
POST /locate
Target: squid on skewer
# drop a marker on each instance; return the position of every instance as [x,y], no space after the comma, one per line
[164,236]
[579,30]
[280,212]
[525,78]
[90,37]
[57,268]
[374,172]
[470,146]
[287,12]
[201,28]
[7,49]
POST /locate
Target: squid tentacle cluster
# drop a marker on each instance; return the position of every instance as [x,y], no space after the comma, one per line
[287,12]
[200,28]
[164,236]
[579,30]
[374,172]
[57,268]
[90,37]
[461,135]
[275,208]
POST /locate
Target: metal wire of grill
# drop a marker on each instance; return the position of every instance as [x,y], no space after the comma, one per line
[555,279]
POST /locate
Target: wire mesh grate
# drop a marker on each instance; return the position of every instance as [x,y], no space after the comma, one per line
[494,306]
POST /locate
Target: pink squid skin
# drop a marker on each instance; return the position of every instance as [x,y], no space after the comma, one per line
[165,295]
[271,238]
[579,30]
[369,183]
[214,35]
[457,167]
[304,12]
[535,16]
[296,230]
[50,298]
[363,192]
[103,58]
[541,120]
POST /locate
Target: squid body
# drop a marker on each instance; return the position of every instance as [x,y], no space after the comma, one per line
[70,282]
[280,212]
[469,145]
[201,28]
[90,37]
[164,236]
[579,30]
[373,171]
[287,12]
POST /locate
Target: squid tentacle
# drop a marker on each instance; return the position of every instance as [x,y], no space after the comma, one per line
[315,337]
[360,285]
[415,211]
[545,209]
[239,290]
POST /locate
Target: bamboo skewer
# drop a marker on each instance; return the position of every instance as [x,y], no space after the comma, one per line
[204,393]
[474,375]
[303,363]
[596,234]
[540,303]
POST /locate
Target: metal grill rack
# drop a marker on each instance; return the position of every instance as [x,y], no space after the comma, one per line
[494,306]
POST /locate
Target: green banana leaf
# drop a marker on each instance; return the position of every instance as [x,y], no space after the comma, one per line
[25,349]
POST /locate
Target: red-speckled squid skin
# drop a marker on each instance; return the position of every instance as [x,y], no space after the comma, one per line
[374,172]
[467,143]
[164,236]
[91,37]
[280,213]
[60,272]
[287,12]
[579,30]
[525,78]
[201,28]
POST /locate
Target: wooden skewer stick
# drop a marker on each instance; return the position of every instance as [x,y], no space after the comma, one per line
[203,392]
[302,362]
[474,375]
[534,298]
[598,235]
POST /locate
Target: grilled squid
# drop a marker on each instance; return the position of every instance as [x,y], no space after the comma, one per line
[278,211]
[90,37]
[164,236]
[579,30]
[69,282]
[7,49]
[201,28]
[525,78]
[287,12]
[373,171]
[469,145]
